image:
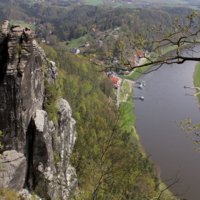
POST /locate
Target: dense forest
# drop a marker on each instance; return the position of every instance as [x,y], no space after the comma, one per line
[68,24]
[108,159]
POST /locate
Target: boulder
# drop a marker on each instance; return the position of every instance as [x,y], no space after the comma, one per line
[13,170]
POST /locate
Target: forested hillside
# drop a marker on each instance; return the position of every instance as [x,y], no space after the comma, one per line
[75,22]
[108,160]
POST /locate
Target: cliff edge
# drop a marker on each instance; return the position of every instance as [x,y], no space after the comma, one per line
[30,141]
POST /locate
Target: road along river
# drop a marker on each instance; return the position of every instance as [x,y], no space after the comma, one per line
[166,101]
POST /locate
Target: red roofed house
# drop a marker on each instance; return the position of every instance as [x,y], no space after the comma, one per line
[139,55]
[114,80]
[93,29]
[87,44]
[102,62]
[132,62]
[33,33]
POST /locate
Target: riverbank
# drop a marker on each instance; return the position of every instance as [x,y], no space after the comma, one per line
[196,78]
[128,122]
[137,74]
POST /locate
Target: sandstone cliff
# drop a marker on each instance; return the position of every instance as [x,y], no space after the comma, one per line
[29,139]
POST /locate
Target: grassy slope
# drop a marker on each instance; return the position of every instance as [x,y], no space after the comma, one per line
[80,41]
[128,117]
[99,2]
[197,78]
[23,24]
[127,107]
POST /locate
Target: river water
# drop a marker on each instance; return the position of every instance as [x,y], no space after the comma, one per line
[166,101]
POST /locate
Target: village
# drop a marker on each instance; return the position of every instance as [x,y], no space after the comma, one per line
[123,86]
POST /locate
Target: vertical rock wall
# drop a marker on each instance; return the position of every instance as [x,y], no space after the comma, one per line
[30,140]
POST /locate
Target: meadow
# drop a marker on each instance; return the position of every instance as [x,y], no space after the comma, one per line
[23,24]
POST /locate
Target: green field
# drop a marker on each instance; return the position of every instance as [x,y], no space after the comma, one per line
[197,78]
[23,24]
[32,3]
[80,41]
[126,87]
[100,2]
[93,2]
[168,1]
[114,5]
[128,119]
[127,108]
[194,7]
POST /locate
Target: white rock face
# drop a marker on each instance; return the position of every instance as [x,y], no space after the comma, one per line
[39,120]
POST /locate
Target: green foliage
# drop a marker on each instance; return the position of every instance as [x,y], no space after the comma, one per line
[23,24]
[106,155]
[18,50]
[56,157]
[50,104]
[33,197]
[76,22]
[8,194]
[106,86]
[128,119]
[107,158]
[192,131]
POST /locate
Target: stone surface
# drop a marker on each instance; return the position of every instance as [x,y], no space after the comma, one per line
[12,174]
[28,135]
[24,194]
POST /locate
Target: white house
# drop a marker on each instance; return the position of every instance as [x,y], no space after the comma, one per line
[87,44]
[75,51]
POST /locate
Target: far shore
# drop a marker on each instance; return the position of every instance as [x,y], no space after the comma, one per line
[134,75]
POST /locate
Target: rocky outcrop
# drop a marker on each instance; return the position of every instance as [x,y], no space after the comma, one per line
[30,141]
[14,168]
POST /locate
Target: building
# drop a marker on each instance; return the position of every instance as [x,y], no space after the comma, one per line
[111,74]
[87,44]
[99,42]
[49,32]
[33,33]
[132,62]
[75,51]
[114,60]
[140,55]
[114,80]
[101,62]
[43,40]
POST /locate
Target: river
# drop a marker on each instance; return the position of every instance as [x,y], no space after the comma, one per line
[166,101]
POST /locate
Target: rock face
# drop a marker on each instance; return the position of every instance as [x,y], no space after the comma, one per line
[30,141]
[15,165]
